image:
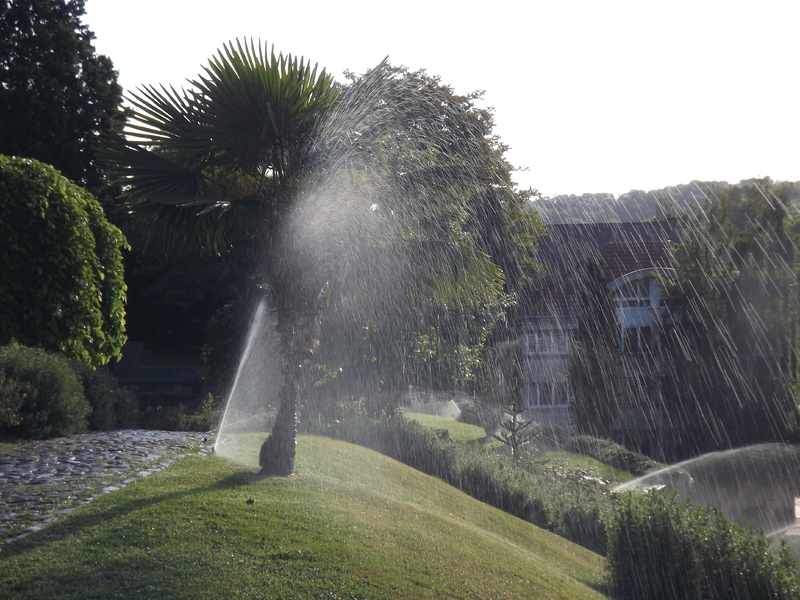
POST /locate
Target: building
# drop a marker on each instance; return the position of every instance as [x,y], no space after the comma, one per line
[636,256]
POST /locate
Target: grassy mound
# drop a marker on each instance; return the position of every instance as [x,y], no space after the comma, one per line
[456,429]
[350,524]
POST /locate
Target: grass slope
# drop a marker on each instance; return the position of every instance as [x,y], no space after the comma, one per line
[558,459]
[456,429]
[350,524]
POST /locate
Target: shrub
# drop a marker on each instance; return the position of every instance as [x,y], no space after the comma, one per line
[583,520]
[62,286]
[112,407]
[660,548]
[613,454]
[12,395]
[53,403]
[206,415]
[203,417]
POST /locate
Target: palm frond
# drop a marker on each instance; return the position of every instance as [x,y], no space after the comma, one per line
[145,174]
[261,108]
[203,158]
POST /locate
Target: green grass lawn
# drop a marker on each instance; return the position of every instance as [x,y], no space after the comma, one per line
[350,524]
[567,460]
[557,458]
[457,430]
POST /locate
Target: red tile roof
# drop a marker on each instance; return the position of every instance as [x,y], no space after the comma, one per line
[625,257]
[620,258]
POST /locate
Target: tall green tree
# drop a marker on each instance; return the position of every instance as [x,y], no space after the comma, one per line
[439,186]
[56,93]
[62,286]
[595,364]
[735,353]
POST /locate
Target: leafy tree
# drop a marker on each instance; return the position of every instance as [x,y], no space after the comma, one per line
[454,192]
[734,355]
[595,355]
[638,205]
[261,158]
[62,287]
[56,93]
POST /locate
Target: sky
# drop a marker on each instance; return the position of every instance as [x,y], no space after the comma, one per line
[591,96]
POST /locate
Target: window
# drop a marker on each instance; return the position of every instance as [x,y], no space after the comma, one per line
[544,342]
[548,342]
[637,340]
[560,394]
[559,342]
[545,394]
[634,294]
[548,393]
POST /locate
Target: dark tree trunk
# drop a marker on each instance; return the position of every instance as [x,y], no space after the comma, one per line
[298,329]
[278,450]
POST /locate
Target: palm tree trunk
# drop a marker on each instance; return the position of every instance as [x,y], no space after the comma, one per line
[299,332]
[278,450]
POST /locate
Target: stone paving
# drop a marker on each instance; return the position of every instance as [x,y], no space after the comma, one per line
[43,480]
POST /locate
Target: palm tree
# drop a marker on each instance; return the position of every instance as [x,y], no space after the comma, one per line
[219,165]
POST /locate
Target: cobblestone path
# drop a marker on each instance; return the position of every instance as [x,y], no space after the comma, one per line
[42,480]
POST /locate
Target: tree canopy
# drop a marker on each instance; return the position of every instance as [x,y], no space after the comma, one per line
[444,242]
[734,377]
[366,197]
[636,205]
[62,286]
[56,93]
[595,365]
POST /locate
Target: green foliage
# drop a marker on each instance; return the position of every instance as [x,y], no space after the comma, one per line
[203,417]
[431,201]
[662,549]
[733,357]
[56,94]
[52,403]
[12,396]
[447,226]
[219,166]
[594,364]
[214,166]
[512,428]
[267,158]
[207,414]
[635,205]
[112,407]
[613,454]
[62,287]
